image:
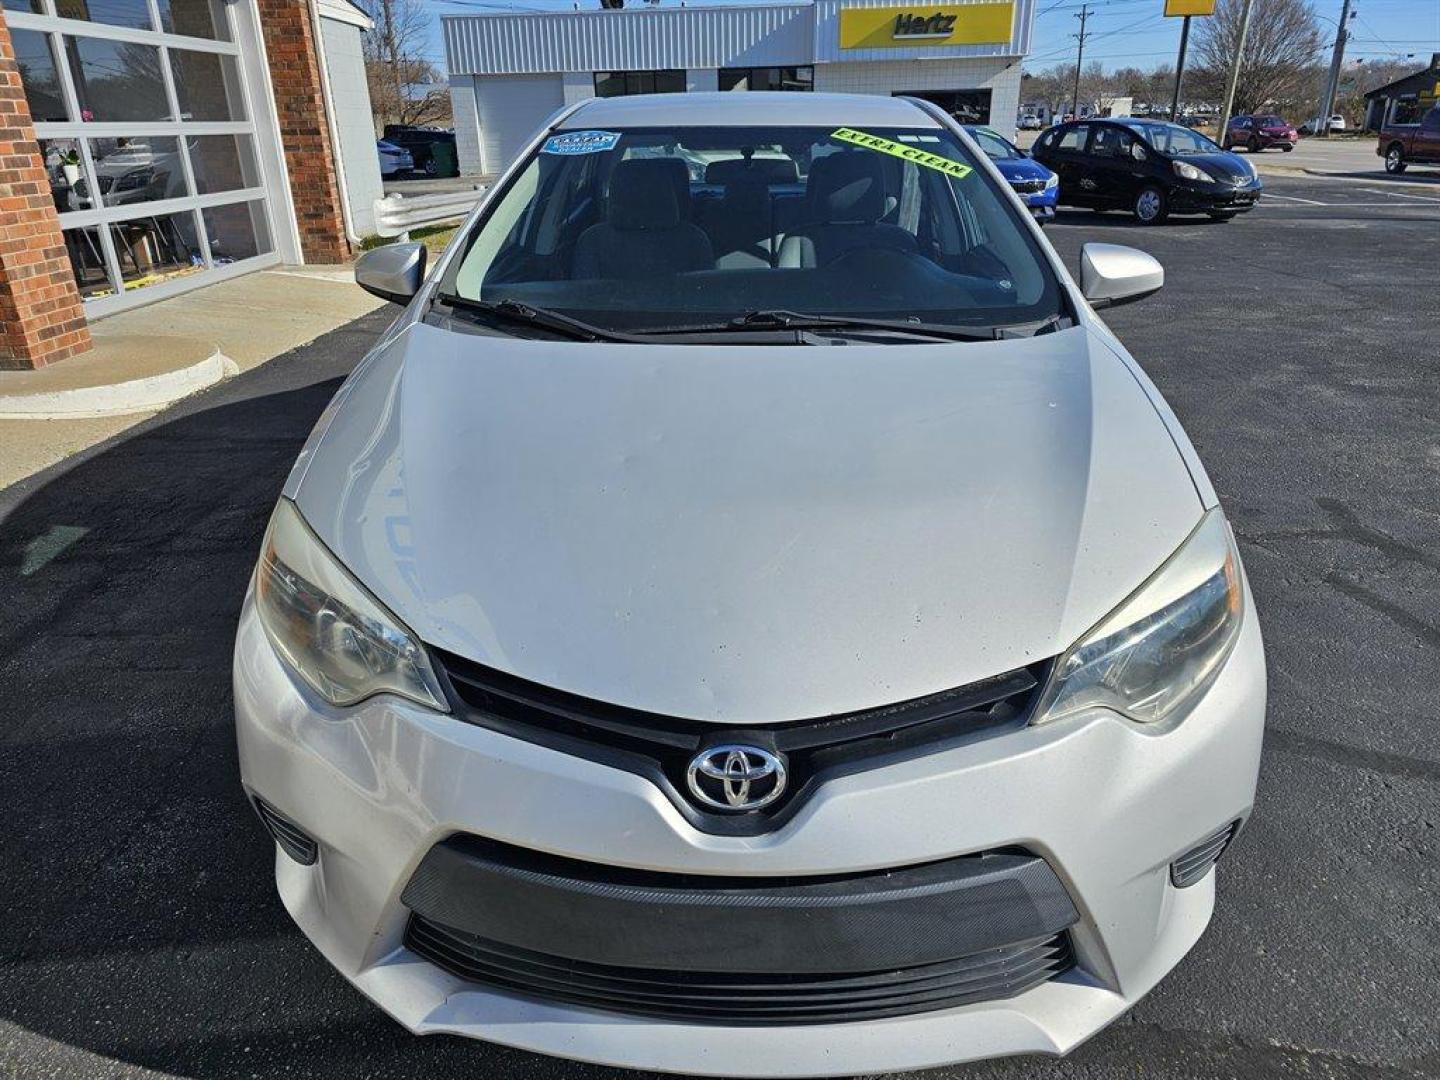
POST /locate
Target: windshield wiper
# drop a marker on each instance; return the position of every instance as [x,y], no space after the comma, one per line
[780,319]
[515,311]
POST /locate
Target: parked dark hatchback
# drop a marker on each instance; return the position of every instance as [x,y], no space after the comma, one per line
[1257,133]
[1150,167]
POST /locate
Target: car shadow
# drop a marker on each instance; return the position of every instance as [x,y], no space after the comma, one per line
[1121,219]
[142,924]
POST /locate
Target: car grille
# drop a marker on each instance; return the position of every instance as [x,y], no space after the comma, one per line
[660,747]
[742,998]
[1028,187]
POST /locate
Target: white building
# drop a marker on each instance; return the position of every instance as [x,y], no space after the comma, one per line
[509,72]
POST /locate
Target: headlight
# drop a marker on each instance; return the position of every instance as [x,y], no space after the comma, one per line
[1164,645]
[328,628]
[1191,172]
[1052,182]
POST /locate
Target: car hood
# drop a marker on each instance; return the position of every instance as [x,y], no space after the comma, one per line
[1223,167]
[1022,169]
[745,534]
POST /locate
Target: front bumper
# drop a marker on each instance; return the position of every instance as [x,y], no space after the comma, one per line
[1106,804]
[1035,200]
[1202,197]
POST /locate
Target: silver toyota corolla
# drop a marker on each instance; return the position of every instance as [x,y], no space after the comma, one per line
[749,615]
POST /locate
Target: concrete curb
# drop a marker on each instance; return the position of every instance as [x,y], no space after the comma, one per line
[118,399]
[1349,178]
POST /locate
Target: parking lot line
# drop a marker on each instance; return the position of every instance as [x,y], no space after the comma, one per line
[1294,198]
[1401,195]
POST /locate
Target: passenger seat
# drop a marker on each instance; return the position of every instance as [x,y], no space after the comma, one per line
[647,230]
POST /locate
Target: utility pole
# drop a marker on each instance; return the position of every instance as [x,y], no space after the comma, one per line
[1234,73]
[1180,68]
[1332,84]
[1080,55]
[392,49]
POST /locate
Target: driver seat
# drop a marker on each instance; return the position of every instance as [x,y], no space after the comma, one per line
[844,200]
[646,231]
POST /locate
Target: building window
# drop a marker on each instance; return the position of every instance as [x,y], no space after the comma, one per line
[117,81]
[87,262]
[767,78]
[195,18]
[156,249]
[1407,111]
[147,141]
[38,75]
[134,14]
[129,171]
[621,83]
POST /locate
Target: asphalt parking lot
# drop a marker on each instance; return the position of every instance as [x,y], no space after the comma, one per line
[1298,344]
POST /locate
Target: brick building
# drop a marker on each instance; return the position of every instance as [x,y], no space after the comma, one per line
[148,147]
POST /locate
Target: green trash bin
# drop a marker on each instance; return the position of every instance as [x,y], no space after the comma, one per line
[442,154]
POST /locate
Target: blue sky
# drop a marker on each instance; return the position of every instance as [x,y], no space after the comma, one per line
[1125,32]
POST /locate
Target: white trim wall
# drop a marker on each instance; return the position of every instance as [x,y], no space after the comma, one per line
[352,120]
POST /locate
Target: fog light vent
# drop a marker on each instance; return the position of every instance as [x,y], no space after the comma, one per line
[293,840]
[1196,863]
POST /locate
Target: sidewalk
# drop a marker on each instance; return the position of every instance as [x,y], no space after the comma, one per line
[186,343]
[1338,158]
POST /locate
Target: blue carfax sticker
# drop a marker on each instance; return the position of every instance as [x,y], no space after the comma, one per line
[581,142]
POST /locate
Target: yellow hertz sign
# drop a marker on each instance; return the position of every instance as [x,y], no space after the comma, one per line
[1175,8]
[905,151]
[907,27]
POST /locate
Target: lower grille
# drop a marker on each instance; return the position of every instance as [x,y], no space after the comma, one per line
[1196,863]
[731,998]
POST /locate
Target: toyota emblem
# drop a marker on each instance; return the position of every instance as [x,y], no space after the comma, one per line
[736,778]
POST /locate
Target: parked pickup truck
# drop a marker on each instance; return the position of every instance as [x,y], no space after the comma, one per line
[1411,144]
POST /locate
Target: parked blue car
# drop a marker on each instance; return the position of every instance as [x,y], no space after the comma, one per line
[1037,186]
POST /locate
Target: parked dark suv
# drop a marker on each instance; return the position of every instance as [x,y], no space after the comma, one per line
[1152,168]
[432,149]
[1256,133]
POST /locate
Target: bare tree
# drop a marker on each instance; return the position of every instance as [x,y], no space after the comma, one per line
[405,87]
[1051,88]
[1279,68]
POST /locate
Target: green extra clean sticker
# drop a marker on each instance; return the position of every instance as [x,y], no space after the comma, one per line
[903,151]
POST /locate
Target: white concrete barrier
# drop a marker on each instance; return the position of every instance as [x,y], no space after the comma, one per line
[396,215]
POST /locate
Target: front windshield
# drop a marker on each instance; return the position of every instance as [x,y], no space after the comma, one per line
[1176,139]
[654,228]
[994,146]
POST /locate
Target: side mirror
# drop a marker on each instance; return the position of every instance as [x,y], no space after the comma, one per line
[1111,274]
[393,273]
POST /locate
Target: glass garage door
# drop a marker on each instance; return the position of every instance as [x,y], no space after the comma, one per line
[148,142]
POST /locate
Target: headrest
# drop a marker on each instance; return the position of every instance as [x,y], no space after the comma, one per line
[649,193]
[848,186]
[756,170]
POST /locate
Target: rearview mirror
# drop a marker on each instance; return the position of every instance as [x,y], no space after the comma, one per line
[1111,274]
[393,273]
